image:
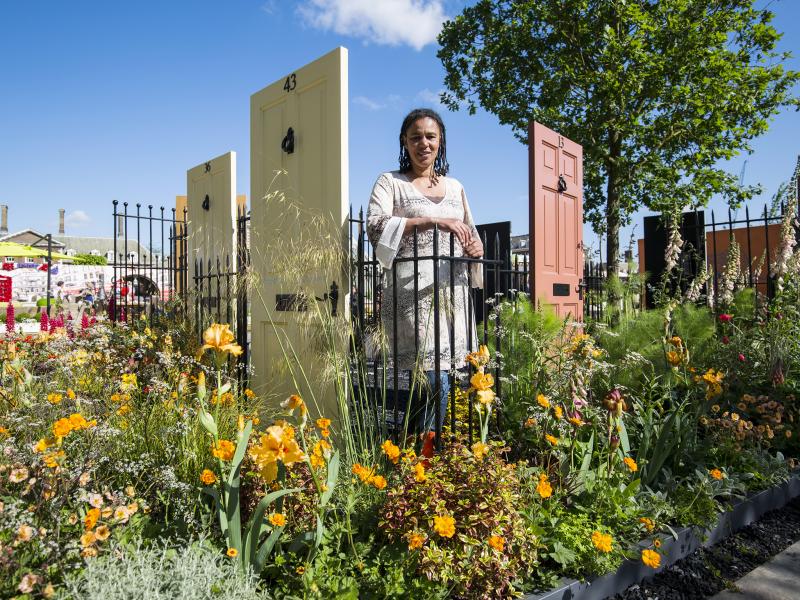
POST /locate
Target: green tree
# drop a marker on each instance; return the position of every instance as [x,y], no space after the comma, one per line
[658,92]
[89,259]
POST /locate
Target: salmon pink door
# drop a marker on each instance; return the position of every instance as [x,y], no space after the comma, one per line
[556,220]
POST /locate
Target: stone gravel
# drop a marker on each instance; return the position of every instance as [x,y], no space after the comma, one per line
[708,571]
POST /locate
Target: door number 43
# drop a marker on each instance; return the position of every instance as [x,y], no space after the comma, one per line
[291,83]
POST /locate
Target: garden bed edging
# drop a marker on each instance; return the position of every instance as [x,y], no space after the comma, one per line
[631,572]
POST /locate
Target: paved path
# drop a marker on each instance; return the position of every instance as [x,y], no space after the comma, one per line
[778,579]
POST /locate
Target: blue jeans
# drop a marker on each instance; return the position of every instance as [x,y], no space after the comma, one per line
[423,404]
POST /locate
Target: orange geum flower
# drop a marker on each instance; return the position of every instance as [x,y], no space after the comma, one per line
[232,552]
[277,519]
[631,464]
[323,423]
[716,474]
[648,523]
[207,477]
[54,398]
[542,401]
[543,488]
[62,428]
[497,542]
[415,540]
[651,559]
[379,481]
[419,473]
[391,451]
[602,541]
[90,520]
[444,525]
[552,439]
[223,450]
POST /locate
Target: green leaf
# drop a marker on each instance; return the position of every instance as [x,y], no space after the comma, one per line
[333,476]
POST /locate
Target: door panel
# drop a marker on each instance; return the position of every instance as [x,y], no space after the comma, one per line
[296,215]
[212,231]
[556,220]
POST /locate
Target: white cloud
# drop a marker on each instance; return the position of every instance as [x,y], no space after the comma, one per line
[368,103]
[429,97]
[270,7]
[391,22]
[77,218]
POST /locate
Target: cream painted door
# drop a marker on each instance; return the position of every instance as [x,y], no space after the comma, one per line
[211,212]
[299,209]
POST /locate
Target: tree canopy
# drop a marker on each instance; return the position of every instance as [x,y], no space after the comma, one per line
[658,92]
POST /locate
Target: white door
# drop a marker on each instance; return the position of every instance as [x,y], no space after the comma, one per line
[211,212]
[299,209]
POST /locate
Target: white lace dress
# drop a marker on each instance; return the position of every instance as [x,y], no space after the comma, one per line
[393,200]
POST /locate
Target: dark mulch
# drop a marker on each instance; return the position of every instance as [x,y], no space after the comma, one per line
[711,570]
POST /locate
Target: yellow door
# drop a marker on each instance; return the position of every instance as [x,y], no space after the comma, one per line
[299,205]
[211,206]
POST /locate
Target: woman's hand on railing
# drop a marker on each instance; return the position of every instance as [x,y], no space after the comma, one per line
[474,248]
[462,231]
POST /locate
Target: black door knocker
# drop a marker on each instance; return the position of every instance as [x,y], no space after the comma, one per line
[562,184]
[207,203]
[287,145]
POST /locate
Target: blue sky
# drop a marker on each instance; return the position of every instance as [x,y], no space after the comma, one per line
[105,100]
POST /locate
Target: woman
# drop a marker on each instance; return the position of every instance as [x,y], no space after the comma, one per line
[418,197]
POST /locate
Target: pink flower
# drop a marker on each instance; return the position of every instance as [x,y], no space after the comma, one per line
[741,357]
[725,318]
[44,322]
[725,339]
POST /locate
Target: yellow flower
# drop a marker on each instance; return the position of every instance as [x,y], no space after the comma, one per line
[734,417]
[497,542]
[102,533]
[51,459]
[445,525]
[631,464]
[480,358]
[716,474]
[715,408]
[651,559]
[294,402]
[648,523]
[220,338]
[558,412]
[482,381]
[576,421]
[128,381]
[123,410]
[602,541]
[542,400]
[379,481]
[232,552]
[90,520]
[223,450]
[62,428]
[300,570]
[133,507]
[479,449]
[530,422]
[543,488]
[70,394]
[415,540]
[87,539]
[552,439]
[674,358]
[89,552]
[419,473]
[676,341]
[362,472]
[323,423]
[250,394]
[657,543]
[54,398]
[391,450]
[208,477]
[485,397]
[277,519]
[3,431]
[277,444]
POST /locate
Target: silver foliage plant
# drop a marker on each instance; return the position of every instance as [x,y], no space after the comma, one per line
[193,572]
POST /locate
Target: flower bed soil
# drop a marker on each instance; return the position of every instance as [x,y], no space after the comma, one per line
[709,571]
[781,529]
